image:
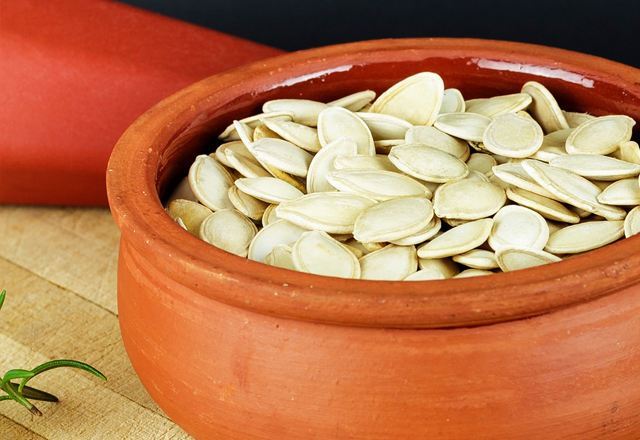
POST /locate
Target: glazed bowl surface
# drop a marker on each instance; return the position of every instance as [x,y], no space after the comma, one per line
[548,352]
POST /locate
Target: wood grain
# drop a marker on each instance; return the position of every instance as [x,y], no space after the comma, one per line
[59,268]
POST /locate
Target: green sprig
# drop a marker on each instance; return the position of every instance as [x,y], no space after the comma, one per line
[21,392]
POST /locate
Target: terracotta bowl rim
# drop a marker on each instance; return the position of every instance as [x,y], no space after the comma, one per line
[135,204]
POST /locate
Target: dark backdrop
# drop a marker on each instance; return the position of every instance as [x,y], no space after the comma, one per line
[609,28]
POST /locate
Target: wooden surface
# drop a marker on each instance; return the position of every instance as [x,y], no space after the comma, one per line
[59,269]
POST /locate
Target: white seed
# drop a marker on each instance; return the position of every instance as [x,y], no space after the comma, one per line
[416,99]
[544,107]
[629,152]
[457,240]
[473,273]
[467,126]
[445,266]
[512,135]
[376,184]
[298,134]
[246,165]
[622,192]
[477,259]
[425,275]
[363,162]
[246,204]
[601,135]
[433,137]
[236,146]
[392,263]
[268,189]
[269,216]
[584,237]
[262,131]
[337,122]
[595,166]
[468,199]
[574,119]
[421,236]
[230,134]
[323,163]
[303,111]
[384,126]
[546,207]
[282,155]
[317,253]
[393,219]
[331,212]
[499,105]
[452,101]
[632,222]
[427,163]
[517,226]
[513,258]
[356,101]
[482,163]
[228,230]
[190,213]
[281,257]
[571,188]
[272,235]
[514,174]
[210,182]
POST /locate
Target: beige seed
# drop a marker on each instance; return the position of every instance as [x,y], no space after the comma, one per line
[317,253]
[427,163]
[384,126]
[632,222]
[575,119]
[190,213]
[469,273]
[452,101]
[302,111]
[236,146]
[421,236]
[513,258]
[280,232]
[584,237]
[477,259]
[595,166]
[467,126]
[337,122]
[246,165]
[210,181]
[468,199]
[601,135]
[246,204]
[514,174]
[425,275]
[298,134]
[228,230]
[499,105]
[544,107]
[281,257]
[355,101]
[230,133]
[629,152]
[376,184]
[546,207]
[269,216]
[517,226]
[268,189]
[393,263]
[482,163]
[433,137]
[364,162]
[621,193]
[283,155]
[323,163]
[445,266]
[457,240]
[393,219]
[513,136]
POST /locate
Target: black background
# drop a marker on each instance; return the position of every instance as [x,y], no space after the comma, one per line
[609,28]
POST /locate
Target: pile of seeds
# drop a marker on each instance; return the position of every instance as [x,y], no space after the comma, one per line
[417,184]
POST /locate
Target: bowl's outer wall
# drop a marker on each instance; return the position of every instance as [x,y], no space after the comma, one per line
[225,373]
[221,370]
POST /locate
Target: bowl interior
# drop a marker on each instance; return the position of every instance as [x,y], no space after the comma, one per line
[158,149]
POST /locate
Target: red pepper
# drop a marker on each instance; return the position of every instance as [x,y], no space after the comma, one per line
[74,74]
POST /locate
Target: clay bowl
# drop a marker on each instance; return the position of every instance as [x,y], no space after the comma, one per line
[234,349]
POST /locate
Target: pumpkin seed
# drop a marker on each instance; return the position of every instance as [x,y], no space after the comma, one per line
[443,265]
[473,273]
[298,134]
[467,126]
[622,192]
[317,253]
[511,135]
[482,163]
[282,155]
[416,99]
[546,207]
[246,165]
[323,163]
[584,237]
[514,258]
[337,122]
[468,199]
[393,219]
[302,111]
[210,181]
[452,101]
[601,135]
[517,226]
[421,236]
[384,126]
[268,189]
[477,259]
[499,105]
[595,166]
[575,119]
[269,216]
[230,133]
[182,191]
[433,137]
[571,188]
[632,222]
[228,230]
[427,163]
[356,101]
[331,212]
[190,213]
[376,184]
[514,174]
[457,240]
[246,204]
[363,162]
[393,263]
[281,257]
[262,131]
[236,146]
[544,107]
[277,233]
[629,152]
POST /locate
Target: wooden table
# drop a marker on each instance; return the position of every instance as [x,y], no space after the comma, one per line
[59,268]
